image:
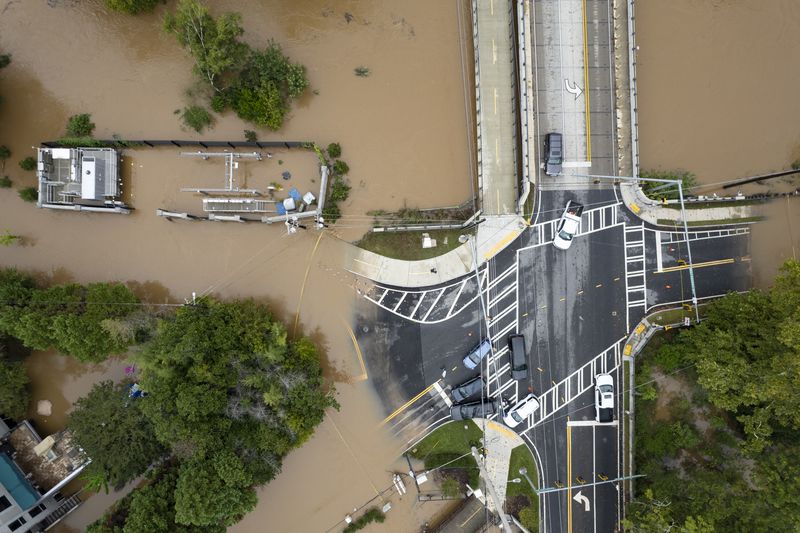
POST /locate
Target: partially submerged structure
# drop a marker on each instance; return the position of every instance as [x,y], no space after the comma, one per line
[33,473]
[80,179]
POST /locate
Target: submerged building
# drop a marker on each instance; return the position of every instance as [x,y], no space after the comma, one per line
[80,179]
[33,474]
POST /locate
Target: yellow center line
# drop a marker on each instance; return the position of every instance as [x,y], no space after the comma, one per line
[569,477]
[586,86]
[409,402]
[363,375]
[303,287]
[696,265]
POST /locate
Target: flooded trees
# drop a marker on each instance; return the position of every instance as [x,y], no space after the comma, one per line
[114,432]
[14,394]
[132,7]
[257,84]
[67,317]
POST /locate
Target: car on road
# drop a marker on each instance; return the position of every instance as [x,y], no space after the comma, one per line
[518,356]
[477,354]
[568,225]
[604,398]
[553,154]
[484,409]
[521,411]
[467,389]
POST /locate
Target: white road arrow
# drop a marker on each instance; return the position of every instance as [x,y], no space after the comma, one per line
[581,498]
[573,88]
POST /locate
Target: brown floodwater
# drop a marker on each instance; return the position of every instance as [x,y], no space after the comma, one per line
[403,134]
[717,97]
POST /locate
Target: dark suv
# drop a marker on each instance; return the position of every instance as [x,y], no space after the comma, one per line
[468,389]
[553,154]
[483,409]
[519,359]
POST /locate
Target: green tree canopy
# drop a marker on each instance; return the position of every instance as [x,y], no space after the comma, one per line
[14,393]
[132,7]
[213,42]
[112,429]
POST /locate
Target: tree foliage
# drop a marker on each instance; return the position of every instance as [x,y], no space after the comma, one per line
[132,7]
[196,117]
[29,163]
[113,430]
[230,395]
[212,42]
[14,393]
[67,317]
[80,125]
[658,190]
[29,194]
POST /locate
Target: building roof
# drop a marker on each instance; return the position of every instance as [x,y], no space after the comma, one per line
[12,478]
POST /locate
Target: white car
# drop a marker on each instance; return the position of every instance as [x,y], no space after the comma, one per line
[521,411]
[568,225]
[604,398]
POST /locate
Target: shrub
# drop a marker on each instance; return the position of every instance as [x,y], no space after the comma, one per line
[340,167]
[529,518]
[372,515]
[361,72]
[29,163]
[5,153]
[331,212]
[5,182]
[339,191]
[29,194]
[7,239]
[334,150]
[196,117]
[688,180]
[218,103]
[80,125]
[250,136]
[5,59]
[131,7]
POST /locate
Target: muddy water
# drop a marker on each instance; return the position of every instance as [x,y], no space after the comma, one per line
[403,135]
[717,97]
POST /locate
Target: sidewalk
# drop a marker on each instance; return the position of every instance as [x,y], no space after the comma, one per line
[493,235]
[499,441]
[652,211]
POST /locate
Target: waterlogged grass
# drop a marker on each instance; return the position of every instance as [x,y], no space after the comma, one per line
[696,223]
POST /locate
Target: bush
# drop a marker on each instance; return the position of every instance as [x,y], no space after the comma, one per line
[29,163]
[5,182]
[196,117]
[339,190]
[80,125]
[529,518]
[372,515]
[688,180]
[29,194]
[131,7]
[361,72]
[250,136]
[5,60]
[5,153]
[218,103]
[340,168]
[334,150]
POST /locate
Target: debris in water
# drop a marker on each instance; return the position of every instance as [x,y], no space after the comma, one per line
[44,407]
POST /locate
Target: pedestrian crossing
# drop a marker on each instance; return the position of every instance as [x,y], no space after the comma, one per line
[635,274]
[592,220]
[670,237]
[569,388]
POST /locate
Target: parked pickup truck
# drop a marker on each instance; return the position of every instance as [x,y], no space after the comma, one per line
[568,225]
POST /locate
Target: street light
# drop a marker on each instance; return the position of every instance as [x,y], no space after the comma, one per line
[524,472]
[515,480]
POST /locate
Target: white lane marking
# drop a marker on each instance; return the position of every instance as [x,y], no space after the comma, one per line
[590,423]
[455,300]
[438,388]
[400,301]
[433,305]
[658,252]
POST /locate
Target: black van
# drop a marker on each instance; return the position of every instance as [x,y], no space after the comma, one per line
[519,359]
[553,154]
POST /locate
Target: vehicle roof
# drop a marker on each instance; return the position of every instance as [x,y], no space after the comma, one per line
[571,224]
[526,406]
[603,379]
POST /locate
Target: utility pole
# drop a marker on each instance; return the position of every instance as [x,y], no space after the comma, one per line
[490,489]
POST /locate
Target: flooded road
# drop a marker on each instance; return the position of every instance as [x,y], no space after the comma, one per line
[717,97]
[402,130]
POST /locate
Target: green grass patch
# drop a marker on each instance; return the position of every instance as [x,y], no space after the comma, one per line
[521,457]
[695,223]
[407,245]
[446,445]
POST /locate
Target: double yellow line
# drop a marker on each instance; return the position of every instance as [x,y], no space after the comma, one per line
[405,405]
[697,265]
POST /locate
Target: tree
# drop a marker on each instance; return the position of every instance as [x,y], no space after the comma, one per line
[5,60]
[5,153]
[5,182]
[250,136]
[334,150]
[197,118]
[29,194]
[132,7]
[213,42]
[14,393]
[204,498]
[340,168]
[29,163]
[113,430]
[80,125]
